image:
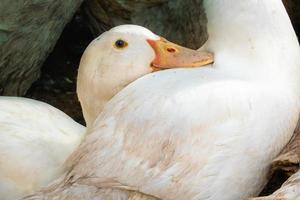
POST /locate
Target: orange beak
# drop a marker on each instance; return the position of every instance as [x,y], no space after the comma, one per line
[169,55]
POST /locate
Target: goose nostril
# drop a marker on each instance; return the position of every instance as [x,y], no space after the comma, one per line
[171,50]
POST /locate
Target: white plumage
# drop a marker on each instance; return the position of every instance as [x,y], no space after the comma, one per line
[37,138]
[202,134]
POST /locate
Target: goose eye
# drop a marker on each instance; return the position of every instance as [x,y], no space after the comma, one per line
[120,44]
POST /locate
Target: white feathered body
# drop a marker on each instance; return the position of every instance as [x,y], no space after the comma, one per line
[35,140]
[201,134]
[177,144]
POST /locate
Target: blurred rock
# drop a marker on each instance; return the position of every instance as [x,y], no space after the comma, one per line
[290,190]
[183,22]
[293,8]
[284,166]
[289,160]
[28,32]
[57,83]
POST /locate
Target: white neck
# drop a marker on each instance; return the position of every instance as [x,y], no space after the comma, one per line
[253,39]
[92,95]
[88,88]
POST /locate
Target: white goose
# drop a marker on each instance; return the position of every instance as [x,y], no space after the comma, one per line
[205,134]
[36,138]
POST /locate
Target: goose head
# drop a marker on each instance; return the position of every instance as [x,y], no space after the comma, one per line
[122,55]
